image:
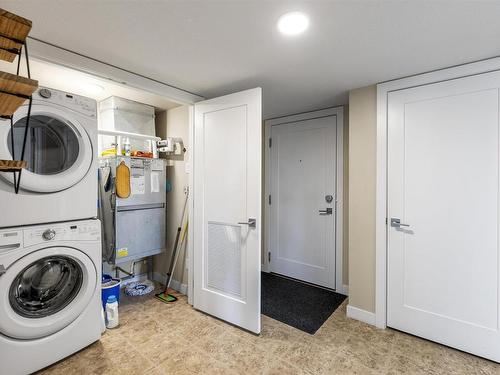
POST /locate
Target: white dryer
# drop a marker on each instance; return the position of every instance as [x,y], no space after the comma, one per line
[60,182]
[50,287]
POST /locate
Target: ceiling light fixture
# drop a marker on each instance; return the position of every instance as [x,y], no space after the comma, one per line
[293,23]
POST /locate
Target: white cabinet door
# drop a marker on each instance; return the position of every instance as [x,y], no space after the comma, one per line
[227,207]
[443,182]
[303,200]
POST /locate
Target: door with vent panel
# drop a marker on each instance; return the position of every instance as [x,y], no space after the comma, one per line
[227,208]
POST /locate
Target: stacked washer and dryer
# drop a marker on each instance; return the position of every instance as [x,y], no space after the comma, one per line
[50,239]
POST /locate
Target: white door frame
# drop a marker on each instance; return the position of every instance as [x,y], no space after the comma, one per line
[339,113]
[383,90]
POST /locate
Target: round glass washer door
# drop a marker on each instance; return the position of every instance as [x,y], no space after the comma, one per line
[44,291]
[58,150]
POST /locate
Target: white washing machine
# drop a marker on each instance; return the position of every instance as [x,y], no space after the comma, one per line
[60,182]
[50,288]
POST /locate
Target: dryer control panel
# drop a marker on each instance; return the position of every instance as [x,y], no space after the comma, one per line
[75,231]
[77,103]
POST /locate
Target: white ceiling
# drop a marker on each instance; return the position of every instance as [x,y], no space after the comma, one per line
[218,47]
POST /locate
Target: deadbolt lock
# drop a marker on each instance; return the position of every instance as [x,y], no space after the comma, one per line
[329,198]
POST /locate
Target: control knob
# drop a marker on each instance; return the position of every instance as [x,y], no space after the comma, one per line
[49,234]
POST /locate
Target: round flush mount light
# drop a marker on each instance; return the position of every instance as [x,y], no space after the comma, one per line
[293,23]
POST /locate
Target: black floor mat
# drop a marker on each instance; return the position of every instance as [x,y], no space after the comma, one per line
[299,305]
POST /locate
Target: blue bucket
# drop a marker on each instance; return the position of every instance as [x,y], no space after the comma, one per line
[110,287]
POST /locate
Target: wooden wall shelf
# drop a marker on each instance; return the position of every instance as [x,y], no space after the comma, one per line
[14,91]
[9,49]
[9,104]
[11,165]
[13,26]
[13,32]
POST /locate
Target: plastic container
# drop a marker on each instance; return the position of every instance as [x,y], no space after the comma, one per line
[127,147]
[110,287]
[103,321]
[112,318]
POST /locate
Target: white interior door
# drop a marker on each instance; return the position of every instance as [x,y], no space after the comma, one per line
[303,200]
[443,182]
[227,207]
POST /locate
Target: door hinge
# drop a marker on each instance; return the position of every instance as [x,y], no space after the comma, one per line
[269,199]
[269,256]
[270,142]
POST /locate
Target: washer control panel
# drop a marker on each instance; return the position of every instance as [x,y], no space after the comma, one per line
[10,240]
[75,231]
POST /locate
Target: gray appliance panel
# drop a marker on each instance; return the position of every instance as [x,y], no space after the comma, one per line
[140,232]
[147,180]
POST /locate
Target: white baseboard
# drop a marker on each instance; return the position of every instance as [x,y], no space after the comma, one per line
[174,284]
[361,315]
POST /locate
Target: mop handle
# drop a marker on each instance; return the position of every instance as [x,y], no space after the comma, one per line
[179,246]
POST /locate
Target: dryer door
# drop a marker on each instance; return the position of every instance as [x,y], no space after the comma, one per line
[44,291]
[58,149]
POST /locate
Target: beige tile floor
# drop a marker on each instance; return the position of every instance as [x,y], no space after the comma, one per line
[156,338]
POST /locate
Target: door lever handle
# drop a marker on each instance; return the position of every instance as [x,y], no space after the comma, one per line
[396,223]
[326,211]
[252,223]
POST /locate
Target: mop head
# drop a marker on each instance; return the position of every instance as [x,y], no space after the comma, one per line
[165,297]
[139,289]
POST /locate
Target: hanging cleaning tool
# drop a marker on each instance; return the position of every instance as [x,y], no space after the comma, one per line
[122,180]
[164,296]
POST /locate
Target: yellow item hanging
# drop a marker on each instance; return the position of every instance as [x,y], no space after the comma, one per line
[122,180]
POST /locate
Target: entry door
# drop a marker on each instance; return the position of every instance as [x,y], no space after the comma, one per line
[303,200]
[443,188]
[227,207]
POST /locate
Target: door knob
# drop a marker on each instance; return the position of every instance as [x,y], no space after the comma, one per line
[326,211]
[396,223]
[252,223]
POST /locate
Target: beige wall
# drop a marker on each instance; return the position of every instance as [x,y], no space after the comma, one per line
[174,123]
[362,180]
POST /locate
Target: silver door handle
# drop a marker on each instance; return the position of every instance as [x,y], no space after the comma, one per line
[252,223]
[396,223]
[326,211]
